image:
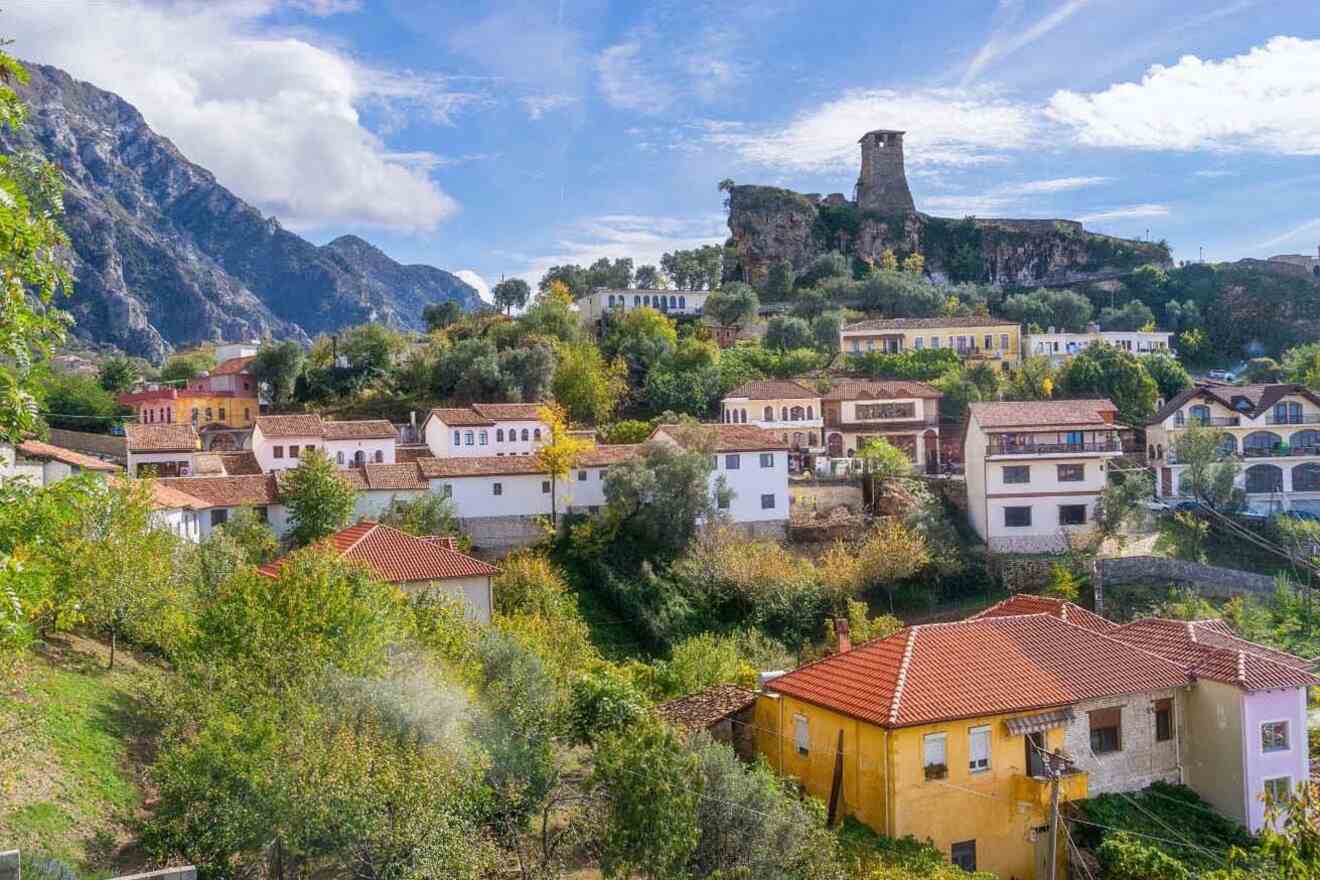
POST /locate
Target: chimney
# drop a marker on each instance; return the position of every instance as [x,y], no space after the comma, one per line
[412,419]
[841,630]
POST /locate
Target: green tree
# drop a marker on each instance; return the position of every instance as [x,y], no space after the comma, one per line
[810,303]
[1262,371]
[1062,309]
[883,460]
[626,431]
[647,277]
[587,385]
[826,329]
[560,454]
[320,502]
[511,293]
[652,788]
[118,374]
[278,365]
[1122,502]
[438,316]
[1105,371]
[526,373]
[780,280]
[1170,376]
[659,497]
[469,370]
[76,402]
[1034,379]
[1209,466]
[824,267]
[182,367]
[32,270]
[254,538]
[371,349]
[1302,365]
[733,304]
[610,274]
[643,338]
[426,514]
[1132,315]
[785,333]
[571,275]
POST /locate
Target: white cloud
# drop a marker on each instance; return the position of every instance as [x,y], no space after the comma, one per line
[1262,100]
[625,83]
[644,238]
[326,7]
[274,116]
[1214,172]
[1126,213]
[539,105]
[1010,38]
[1021,197]
[482,286]
[1054,185]
[948,127]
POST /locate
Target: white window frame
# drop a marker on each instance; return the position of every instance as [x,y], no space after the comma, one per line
[767,459]
[1286,780]
[929,740]
[732,462]
[972,762]
[801,734]
[1287,734]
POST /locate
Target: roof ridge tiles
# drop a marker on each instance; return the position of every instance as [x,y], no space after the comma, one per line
[908,650]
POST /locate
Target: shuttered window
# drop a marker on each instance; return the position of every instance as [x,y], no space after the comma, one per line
[1163,720]
[801,737]
[934,753]
[1106,730]
[979,749]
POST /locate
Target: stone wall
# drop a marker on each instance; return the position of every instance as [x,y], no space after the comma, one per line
[496,533]
[824,496]
[1140,760]
[1208,580]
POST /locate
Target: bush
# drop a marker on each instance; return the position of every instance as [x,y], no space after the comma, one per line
[602,702]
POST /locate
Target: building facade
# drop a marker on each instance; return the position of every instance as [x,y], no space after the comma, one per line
[1271,431]
[1058,347]
[485,429]
[226,398]
[974,338]
[599,303]
[752,465]
[1035,470]
[279,442]
[43,464]
[161,450]
[790,408]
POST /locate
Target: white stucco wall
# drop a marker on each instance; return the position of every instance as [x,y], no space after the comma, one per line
[372,503]
[475,591]
[445,441]
[1265,706]
[349,448]
[750,480]
[264,449]
[474,497]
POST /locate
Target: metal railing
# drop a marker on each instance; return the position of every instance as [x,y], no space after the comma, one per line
[1181,421]
[1279,451]
[1291,419]
[1053,448]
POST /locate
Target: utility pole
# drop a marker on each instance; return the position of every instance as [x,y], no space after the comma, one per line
[1056,764]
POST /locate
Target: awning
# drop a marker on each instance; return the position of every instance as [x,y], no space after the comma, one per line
[1037,723]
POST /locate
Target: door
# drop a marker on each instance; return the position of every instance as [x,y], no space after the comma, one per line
[1166,482]
[836,446]
[1035,745]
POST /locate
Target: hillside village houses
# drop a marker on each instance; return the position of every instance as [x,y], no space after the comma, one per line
[974,338]
[277,441]
[599,303]
[485,429]
[959,719]
[1059,346]
[222,405]
[1273,430]
[1035,470]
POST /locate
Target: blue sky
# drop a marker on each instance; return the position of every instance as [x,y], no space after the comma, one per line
[500,138]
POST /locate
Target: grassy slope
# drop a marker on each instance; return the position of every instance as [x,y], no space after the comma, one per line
[72,745]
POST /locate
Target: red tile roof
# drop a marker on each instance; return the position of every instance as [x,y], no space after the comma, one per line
[973,668]
[233,365]
[248,491]
[371,429]
[221,464]
[869,389]
[604,456]
[306,425]
[522,412]
[726,438]
[169,498]
[411,453]
[926,323]
[395,476]
[480,466]
[398,557]
[38,449]
[1042,413]
[1210,649]
[1024,603]
[775,389]
[459,417]
[161,438]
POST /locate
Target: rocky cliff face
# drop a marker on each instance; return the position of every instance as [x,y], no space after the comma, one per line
[770,224]
[165,256]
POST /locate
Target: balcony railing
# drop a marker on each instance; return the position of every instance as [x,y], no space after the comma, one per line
[1180,421]
[1293,419]
[1020,448]
[1279,451]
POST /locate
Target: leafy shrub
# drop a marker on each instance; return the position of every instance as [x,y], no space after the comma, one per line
[601,702]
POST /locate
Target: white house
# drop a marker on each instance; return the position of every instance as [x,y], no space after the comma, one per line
[597,304]
[353,444]
[224,497]
[1035,470]
[1059,346]
[43,464]
[1272,430]
[378,485]
[416,565]
[790,408]
[485,429]
[753,463]
[161,450]
[176,511]
[279,441]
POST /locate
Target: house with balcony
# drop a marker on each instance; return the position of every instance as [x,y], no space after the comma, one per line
[790,408]
[158,450]
[943,731]
[974,338]
[599,303]
[1059,346]
[221,404]
[1273,431]
[1035,470]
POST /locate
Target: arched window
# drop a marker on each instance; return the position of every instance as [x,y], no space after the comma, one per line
[769,414]
[1228,445]
[499,435]
[380,456]
[1199,413]
[1306,478]
[673,302]
[1260,443]
[637,300]
[1264,478]
[208,414]
[783,414]
[796,413]
[682,302]
[811,413]
[524,434]
[611,300]
[811,438]
[359,458]
[222,413]
[1307,439]
[648,299]
[536,433]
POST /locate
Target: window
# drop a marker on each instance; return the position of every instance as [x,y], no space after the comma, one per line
[1017,517]
[934,755]
[1274,736]
[934,342]
[379,457]
[497,488]
[963,854]
[768,501]
[458,439]
[219,517]
[582,475]
[1003,341]
[722,501]
[919,343]
[545,487]
[339,457]
[278,452]
[886,410]
[247,414]
[208,414]
[989,341]
[731,462]
[483,438]
[293,450]
[447,491]
[1017,473]
[524,435]
[1278,788]
[536,433]
[1072,514]
[222,413]
[978,749]
[767,414]
[783,414]
[1072,473]
[1106,730]
[499,435]
[801,737]
[194,415]
[767,459]
[1163,720]
[468,438]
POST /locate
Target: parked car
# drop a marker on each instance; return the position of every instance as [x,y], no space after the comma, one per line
[1220,375]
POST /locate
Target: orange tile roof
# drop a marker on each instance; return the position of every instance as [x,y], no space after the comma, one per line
[522,412]
[370,429]
[480,466]
[411,453]
[398,557]
[775,389]
[304,425]
[973,668]
[727,438]
[1210,649]
[1041,413]
[926,323]
[249,491]
[169,498]
[871,389]
[1024,603]
[406,475]
[233,365]
[225,464]
[603,456]
[38,449]
[460,417]
[162,438]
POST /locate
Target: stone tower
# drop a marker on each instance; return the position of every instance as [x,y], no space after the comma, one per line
[882,186]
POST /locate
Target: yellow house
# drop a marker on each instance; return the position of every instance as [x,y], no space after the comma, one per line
[974,338]
[942,731]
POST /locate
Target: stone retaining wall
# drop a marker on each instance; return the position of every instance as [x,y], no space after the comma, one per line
[824,496]
[1207,580]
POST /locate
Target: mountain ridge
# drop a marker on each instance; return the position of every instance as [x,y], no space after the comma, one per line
[165,256]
